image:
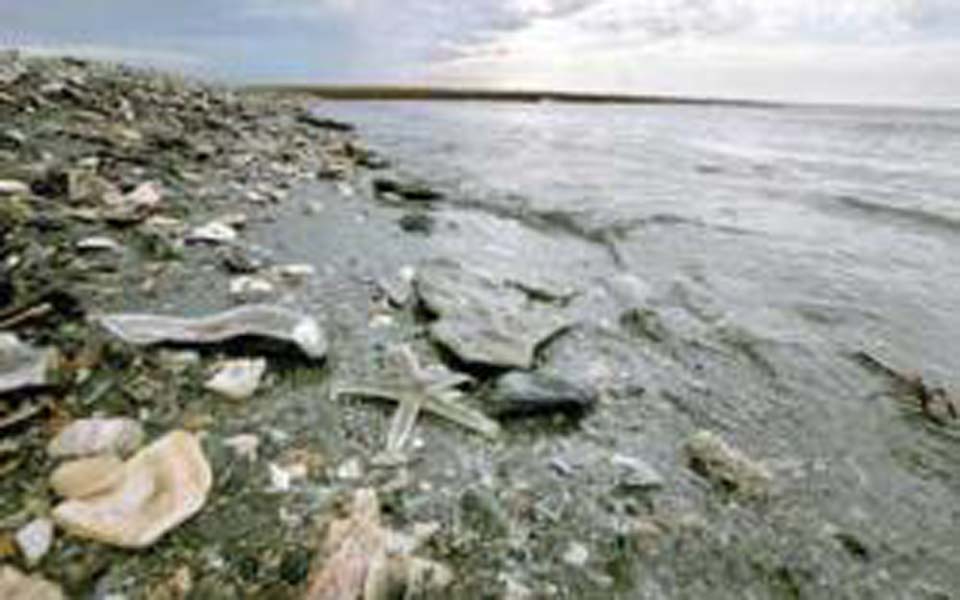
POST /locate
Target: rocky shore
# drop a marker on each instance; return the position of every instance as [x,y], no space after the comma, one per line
[242,355]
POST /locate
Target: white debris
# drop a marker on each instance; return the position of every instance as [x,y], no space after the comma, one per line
[296,272]
[215,232]
[99,244]
[282,477]
[350,470]
[35,540]
[12,187]
[238,379]
[576,555]
[245,445]
[247,288]
[146,195]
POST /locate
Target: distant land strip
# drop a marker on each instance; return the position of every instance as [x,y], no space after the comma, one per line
[393,93]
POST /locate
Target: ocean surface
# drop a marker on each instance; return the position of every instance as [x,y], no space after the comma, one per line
[774,275]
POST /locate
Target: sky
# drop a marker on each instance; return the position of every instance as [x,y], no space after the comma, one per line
[898,52]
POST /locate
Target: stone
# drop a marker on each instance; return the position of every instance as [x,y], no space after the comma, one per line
[14,585]
[248,288]
[99,244]
[23,367]
[87,476]
[35,540]
[87,437]
[520,393]
[726,467]
[482,321]
[408,190]
[238,379]
[245,445]
[84,185]
[636,474]
[576,555]
[296,272]
[162,486]
[255,320]
[145,196]
[214,232]
[12,187]
[417,222]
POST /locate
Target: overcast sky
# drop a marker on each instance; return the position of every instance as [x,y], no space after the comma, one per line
[886,51]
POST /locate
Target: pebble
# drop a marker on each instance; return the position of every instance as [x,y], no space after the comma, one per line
[350,470]
[35,539]
[727,467]
[521,394]
[635,473]
[245,445]
[10,187]
[577,555]
[86,437]
[87,476]
[248,288]
[14,585]
[238,379]
[98,244]
[298,272]
[213,233]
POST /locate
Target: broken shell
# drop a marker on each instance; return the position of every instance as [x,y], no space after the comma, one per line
[238,379]
[22,366]
[255,320]
[14,585]
[165,484]
[87,477]
[213,233]
[87,437]
[35,540]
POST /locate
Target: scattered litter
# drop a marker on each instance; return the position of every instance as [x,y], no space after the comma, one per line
[257,320]
[238,379]
[163,485]
[88,437]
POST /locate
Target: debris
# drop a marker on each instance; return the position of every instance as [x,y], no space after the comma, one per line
[12,187]
[577,555]
[415,388]
[215,232]
[88,437]
[350,470]
[238,379]
[247,288]
[35,539]
[482,321]
[521,393]
[87,476]
[933,402]
[99,243]
[726,467]
[261,321]
[282,477]
[245,445]
[163,485]
[636,474]
[24,367]
[14,585]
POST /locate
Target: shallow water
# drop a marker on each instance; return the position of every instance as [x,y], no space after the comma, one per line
[767,247]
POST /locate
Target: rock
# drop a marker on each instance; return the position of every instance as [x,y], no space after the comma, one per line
[247,288]
[295,273]
[282,477]
[577,555]
[83,185]
[214,232]
[399,288]
[145,196]
[350,470]
[726,467]
[24,367]
[258,321]
[483,321]
[408,190]
[14,585]
[241,260]
[178,360]
[87,437]
[162,486]
[99,244]
[238,379]
[313,120]
[12,187]
[35,539]
[87,477]
[521,393]
[417,222]
[636,474]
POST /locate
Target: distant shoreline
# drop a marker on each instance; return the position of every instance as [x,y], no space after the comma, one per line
[399,93]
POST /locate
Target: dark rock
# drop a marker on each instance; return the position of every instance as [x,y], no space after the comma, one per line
[526,394]
[409,190]
[417,222]
[324,122]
